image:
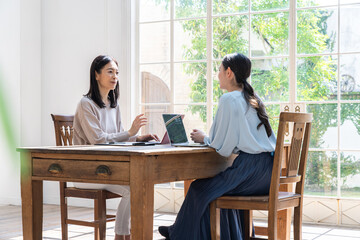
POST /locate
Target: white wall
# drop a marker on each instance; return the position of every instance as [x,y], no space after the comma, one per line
[10,90]
[51,46]
[73,34]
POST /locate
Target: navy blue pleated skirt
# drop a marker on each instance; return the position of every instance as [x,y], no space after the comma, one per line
[250,174]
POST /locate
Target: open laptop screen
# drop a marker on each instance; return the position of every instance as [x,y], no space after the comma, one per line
[175,128]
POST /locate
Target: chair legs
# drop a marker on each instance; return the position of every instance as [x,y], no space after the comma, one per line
[248,224]
[96,219]
[214,221]
[99,214]
[64,212]
[101,209]
[272,225]
[270,231]
[298,222]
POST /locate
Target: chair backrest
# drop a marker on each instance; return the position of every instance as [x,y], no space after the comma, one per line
[296,162]
[63,125]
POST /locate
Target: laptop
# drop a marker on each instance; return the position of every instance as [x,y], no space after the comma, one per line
[176,131]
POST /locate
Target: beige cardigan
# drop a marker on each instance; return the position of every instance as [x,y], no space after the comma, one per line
[93,124]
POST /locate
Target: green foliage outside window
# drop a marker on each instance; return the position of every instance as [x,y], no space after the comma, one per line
[315,74]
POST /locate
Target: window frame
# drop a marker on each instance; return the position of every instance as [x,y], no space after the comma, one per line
[292,58]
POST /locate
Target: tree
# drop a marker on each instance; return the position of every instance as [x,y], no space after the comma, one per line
[270,78]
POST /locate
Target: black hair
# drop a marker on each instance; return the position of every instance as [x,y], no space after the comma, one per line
[96,66]
[240,65]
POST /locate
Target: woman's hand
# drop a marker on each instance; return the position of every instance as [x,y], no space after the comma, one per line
[147,137]
[138,122]
[197,136]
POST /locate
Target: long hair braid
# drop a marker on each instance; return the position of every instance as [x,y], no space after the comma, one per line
[241,67]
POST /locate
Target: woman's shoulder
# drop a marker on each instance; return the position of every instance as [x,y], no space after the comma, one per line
[86,103]
[231,96]
[86,100]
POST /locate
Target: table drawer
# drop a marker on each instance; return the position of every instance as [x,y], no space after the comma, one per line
[102,170]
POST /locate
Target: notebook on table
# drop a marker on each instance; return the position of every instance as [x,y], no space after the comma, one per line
[129,143]
[176,131]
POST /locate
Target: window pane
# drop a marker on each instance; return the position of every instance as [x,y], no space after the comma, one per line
[316,78]
[317,30]
[153,10]
[273,111]
[190,8]
[349,31]
[230,34]
[350,126]
[321,173]
[324,132]
[349,1]
[190,40]
[350,174]
[155,121]
[215,108]
[154,42]
[192,119]
[311,3]
[258,5]
[270,79]
[350,76]
[163,185]
[155,83]
[230,6]
[217,92]
[190,83]
[179,184]
[270,34]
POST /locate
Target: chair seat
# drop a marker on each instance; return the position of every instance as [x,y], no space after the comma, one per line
[286,199]
[265,198]
[88,193]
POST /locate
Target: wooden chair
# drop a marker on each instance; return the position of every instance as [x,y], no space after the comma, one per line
[64,135]
[276,200]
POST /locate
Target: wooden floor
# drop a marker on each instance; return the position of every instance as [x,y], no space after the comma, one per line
[10,223]
[10,226]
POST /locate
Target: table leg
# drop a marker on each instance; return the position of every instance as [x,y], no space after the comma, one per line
[186,186]
[142,198]
[32,201]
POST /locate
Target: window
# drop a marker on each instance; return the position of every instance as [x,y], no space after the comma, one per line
[305,56]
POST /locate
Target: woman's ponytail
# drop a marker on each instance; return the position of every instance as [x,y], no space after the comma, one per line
[241,67]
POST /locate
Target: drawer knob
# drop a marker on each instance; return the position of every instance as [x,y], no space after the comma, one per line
[103,171]
[55,169]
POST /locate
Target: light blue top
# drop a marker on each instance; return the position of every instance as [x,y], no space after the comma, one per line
[235,128]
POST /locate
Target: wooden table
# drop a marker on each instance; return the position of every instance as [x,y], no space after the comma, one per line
[139,167]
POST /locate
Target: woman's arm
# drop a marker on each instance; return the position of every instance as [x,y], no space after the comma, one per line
[225,130]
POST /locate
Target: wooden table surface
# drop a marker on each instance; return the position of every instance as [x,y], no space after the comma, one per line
[139,167]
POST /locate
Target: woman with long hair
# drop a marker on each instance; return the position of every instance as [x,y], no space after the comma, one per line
[241,126]
[97,120]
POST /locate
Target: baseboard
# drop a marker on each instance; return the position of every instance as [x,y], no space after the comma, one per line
[10,201]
